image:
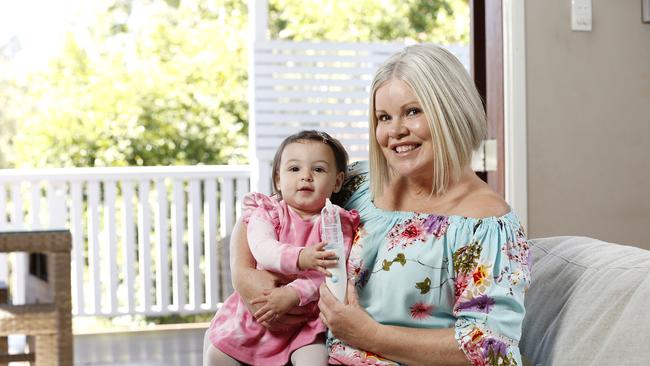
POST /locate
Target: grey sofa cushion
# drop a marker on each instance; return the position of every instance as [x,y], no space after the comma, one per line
[588,304]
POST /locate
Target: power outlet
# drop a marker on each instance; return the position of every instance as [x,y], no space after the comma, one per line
[581,15]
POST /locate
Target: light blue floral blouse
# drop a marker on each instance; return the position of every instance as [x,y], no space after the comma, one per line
[428,271]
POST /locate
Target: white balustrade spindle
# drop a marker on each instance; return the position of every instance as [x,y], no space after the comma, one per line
[194,248]
[78,257]
[178,246]
[128,233]
[144,245]
[212,283]
[162,273]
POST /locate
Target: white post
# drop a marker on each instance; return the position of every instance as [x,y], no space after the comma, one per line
[514,95]
[257,28]
[258,16]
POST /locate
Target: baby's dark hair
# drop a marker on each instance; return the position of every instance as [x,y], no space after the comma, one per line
[340,155]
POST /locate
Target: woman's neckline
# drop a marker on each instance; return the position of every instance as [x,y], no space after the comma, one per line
[455,216]
[462,190]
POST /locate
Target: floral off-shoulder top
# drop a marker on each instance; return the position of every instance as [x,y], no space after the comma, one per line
[428,271]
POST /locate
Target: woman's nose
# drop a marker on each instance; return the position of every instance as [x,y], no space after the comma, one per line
[397,129]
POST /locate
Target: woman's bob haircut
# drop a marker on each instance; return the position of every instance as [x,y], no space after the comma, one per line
[450,102]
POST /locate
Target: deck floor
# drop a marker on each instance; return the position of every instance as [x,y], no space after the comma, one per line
[143,348]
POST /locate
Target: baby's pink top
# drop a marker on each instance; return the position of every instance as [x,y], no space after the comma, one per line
[276,235]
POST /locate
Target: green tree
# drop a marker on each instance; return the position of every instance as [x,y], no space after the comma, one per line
[164,82]
[438,21]
[157,85]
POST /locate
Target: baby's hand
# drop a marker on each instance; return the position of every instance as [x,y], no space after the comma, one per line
[276,303]
[315,257]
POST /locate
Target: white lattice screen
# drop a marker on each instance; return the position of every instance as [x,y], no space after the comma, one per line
[314,85]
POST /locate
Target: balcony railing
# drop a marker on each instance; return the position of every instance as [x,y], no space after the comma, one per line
[146,240]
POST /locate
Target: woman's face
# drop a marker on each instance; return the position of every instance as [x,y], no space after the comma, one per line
[403,130]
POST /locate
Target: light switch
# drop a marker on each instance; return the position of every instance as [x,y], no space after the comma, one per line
[581,15]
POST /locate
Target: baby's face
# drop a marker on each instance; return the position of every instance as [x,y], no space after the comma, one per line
[307,176]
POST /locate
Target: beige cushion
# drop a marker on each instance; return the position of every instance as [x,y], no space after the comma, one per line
[588,304]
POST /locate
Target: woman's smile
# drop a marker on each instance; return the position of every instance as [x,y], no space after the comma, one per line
[402,131]
[404,148]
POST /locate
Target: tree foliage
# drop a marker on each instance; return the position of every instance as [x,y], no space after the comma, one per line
[164,82]
[438,21]
[164,87]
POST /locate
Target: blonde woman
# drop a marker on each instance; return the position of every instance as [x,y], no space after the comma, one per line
[440,263]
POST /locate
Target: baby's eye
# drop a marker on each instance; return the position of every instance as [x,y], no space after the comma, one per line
[319,169]
[294,169]
[413,111]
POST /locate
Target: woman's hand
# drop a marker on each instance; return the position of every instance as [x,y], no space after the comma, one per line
[348,322]
[315,257]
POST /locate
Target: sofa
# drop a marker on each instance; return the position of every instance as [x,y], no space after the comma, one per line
[588,304]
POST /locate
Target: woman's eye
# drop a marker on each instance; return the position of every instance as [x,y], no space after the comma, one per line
[413,111]
[383,118]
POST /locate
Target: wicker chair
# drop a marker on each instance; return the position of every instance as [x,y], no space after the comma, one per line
[49,323]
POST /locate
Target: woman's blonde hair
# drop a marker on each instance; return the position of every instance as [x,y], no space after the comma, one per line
[450,103]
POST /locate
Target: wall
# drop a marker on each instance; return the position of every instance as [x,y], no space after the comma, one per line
[588,114]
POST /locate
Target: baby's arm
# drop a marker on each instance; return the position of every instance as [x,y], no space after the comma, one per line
[270,253]
[273,255]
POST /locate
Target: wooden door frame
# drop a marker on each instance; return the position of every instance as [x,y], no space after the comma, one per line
[487,69]
[499,69]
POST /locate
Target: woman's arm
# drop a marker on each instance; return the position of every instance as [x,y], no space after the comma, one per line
[246,279]
[251,283]
[412,346]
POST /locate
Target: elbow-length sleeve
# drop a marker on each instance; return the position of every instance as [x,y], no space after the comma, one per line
[492,274]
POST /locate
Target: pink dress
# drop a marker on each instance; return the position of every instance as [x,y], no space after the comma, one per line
[276,234]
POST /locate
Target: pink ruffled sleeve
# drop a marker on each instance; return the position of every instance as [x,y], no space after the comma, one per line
[263,215]
[254,200]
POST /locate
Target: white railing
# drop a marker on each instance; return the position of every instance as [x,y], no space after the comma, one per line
[146,240]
